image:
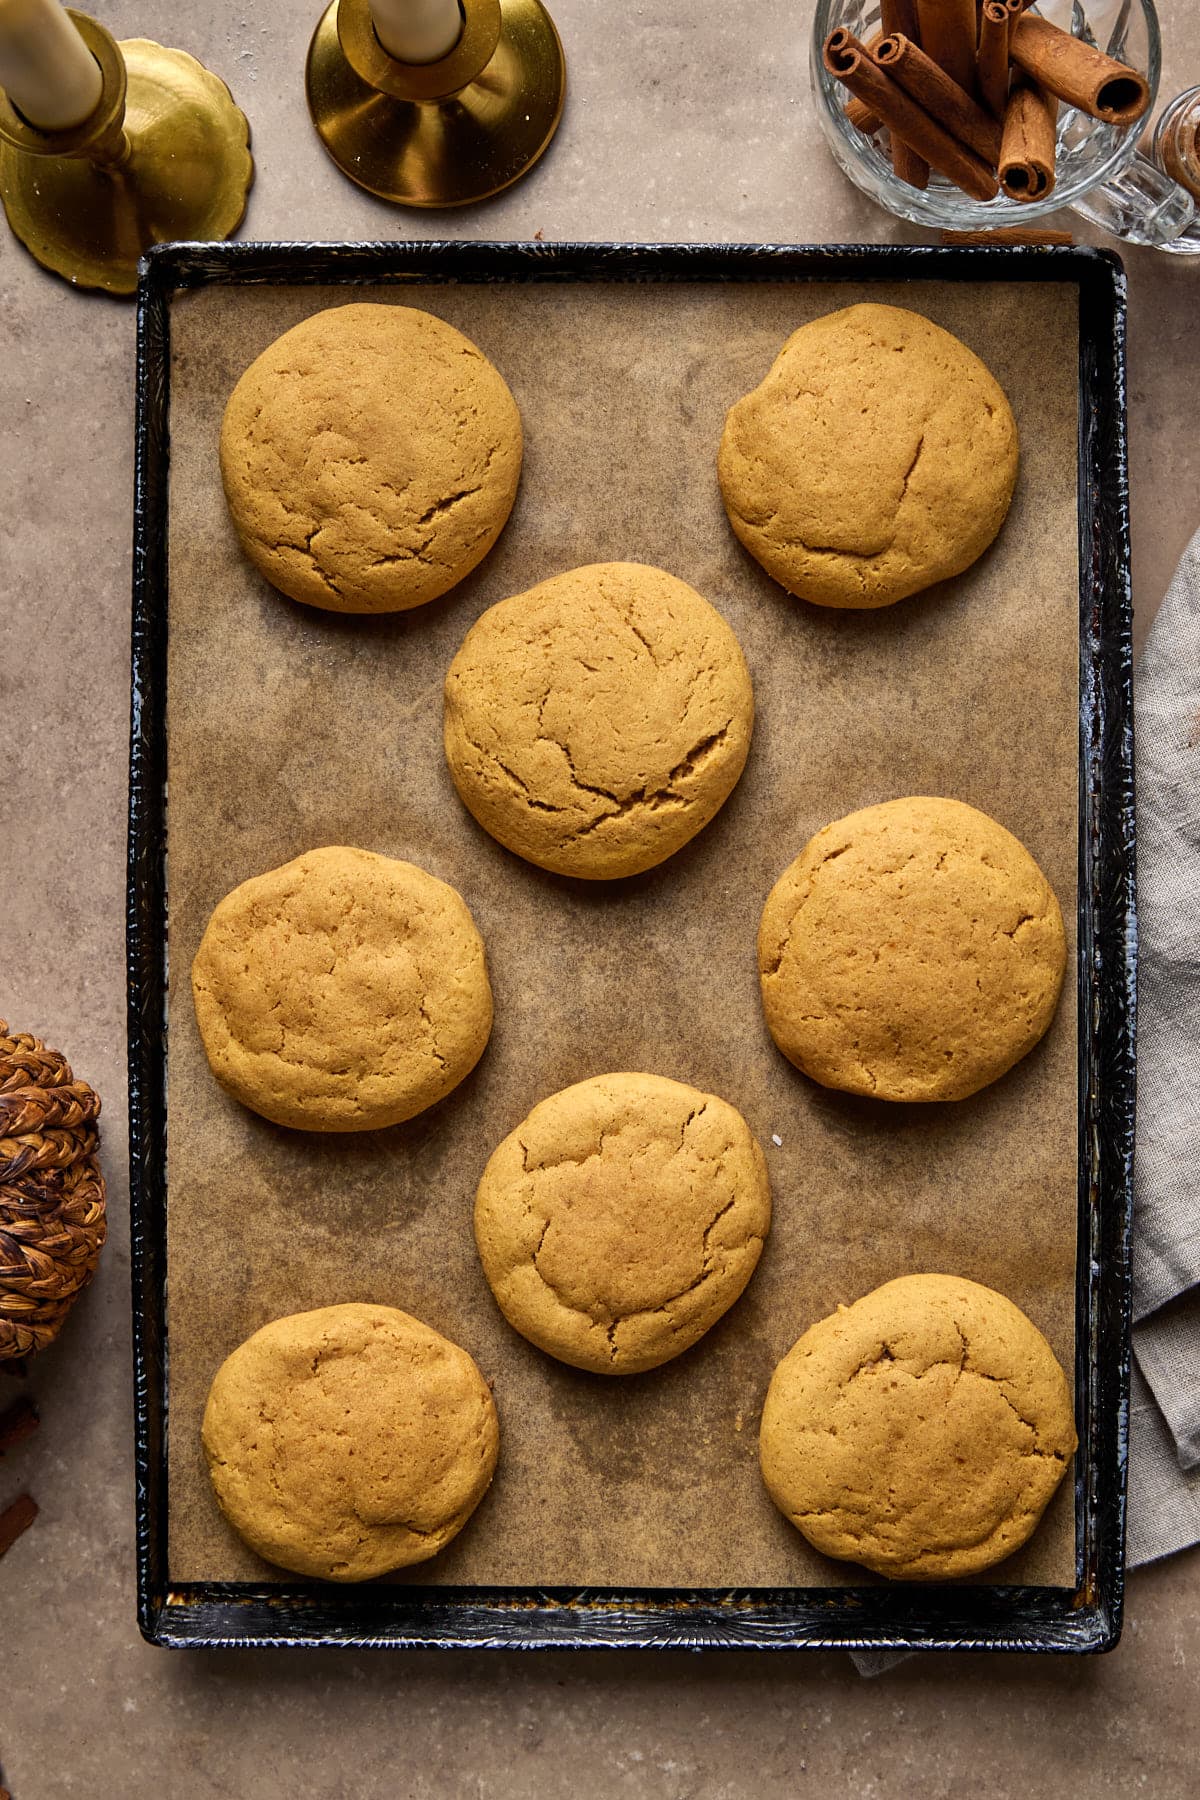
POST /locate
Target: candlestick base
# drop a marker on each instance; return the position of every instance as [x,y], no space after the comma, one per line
[437,145]
[182,169]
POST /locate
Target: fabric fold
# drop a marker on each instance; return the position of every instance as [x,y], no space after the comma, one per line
[1166,1244]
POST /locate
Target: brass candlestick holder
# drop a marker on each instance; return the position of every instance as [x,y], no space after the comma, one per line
[443,133]
[164,155]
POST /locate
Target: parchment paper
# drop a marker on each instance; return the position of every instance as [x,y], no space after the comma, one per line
[291,728]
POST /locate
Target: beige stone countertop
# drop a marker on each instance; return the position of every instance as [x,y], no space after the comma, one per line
[685,120]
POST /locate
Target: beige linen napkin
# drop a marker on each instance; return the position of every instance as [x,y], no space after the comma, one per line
[1164,1477]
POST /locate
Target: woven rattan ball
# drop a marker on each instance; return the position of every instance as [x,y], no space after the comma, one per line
[51,1192]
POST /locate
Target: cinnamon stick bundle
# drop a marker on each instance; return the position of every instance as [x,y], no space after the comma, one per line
[941,98]
[1027,149]
[928,92]
[947,34]
[1078,73]
[994,24]
[846,59]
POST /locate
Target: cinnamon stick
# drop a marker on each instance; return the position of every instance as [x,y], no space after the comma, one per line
[861,117]
[898,15]
[907,164]
[1009,234]
[15,1519]
[941,98]
[1014,9]
[947,34]
[846,59]
[1027,149]
[1077,73]
[994,25]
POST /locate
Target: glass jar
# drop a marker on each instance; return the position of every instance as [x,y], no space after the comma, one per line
[1099,171]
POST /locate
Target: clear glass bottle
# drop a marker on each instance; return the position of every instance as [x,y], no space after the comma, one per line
[1175,145]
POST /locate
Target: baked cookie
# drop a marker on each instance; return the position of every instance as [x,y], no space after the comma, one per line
[349,1441]
[920,1432]
[342,992]
[878,456]
[913,951]
[599,721]
[370,458]
[621,1219]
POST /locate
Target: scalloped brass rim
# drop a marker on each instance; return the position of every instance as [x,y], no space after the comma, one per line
[179,168]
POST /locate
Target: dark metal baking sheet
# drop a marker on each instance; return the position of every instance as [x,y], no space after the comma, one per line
[1083,1618]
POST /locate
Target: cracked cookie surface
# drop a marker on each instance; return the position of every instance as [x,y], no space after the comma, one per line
[621,1219]
[879,455]
[349,1441]
[596,723]
[920,1432]
[913,951]
[370,458]
[342,992]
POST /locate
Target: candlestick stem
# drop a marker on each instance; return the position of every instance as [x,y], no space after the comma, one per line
[112,151]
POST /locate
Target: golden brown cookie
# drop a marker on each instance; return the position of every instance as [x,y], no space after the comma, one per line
[349,1441]
[599,721]
[920,1432]
[342,992]
[878,456]
[370,458]
[621,1219]
[913,951]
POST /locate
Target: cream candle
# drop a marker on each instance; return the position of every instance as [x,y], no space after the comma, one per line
[417,31]
[46,69]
